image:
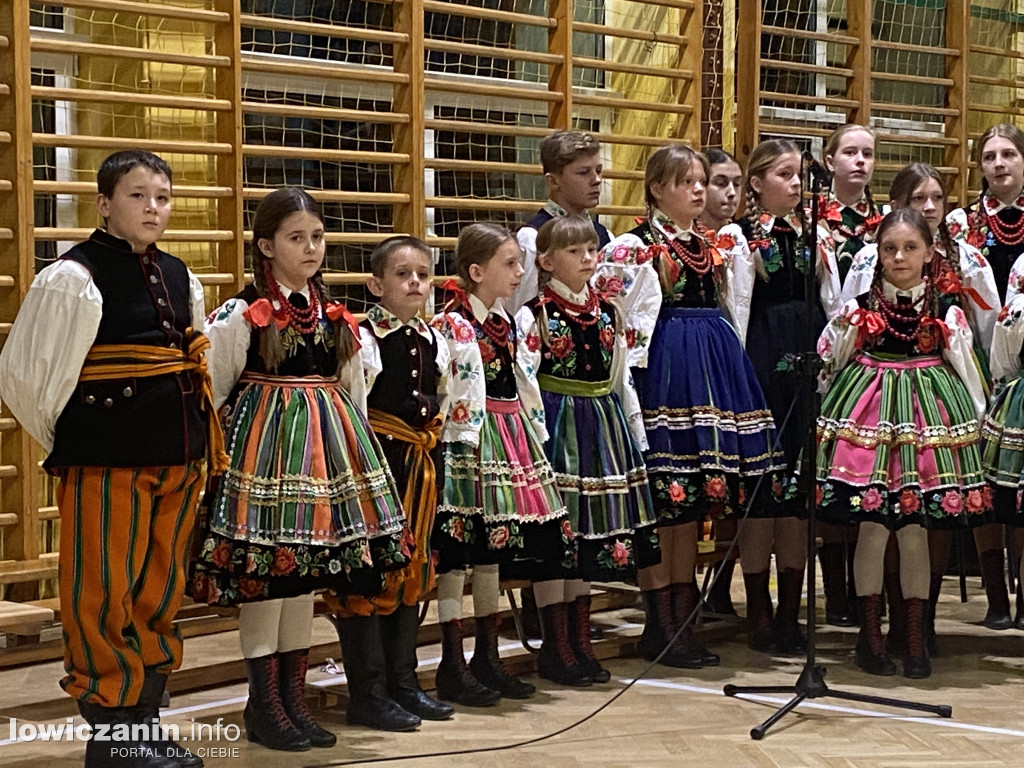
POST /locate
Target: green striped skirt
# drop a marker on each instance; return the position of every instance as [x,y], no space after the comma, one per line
[307,503]
[1002,453]
[898,444]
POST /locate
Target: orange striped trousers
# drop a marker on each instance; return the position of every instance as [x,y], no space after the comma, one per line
[123,542]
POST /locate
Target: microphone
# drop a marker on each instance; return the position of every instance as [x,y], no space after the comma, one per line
[820,173]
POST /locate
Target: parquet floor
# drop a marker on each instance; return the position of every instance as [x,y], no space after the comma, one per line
[671,718]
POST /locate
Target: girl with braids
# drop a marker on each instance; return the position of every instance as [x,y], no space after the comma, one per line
[308,501]
[994,224]
[574,338]
[962,273]
[710,434]
[769,245]
[898,430]
[849,214]
[499,506]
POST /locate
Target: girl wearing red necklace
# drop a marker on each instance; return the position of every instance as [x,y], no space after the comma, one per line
[960,271]
[308,501]
[769,245]
[994,223]
[695,384]
[898,431]
[499,508]
[576,342]
[849,213]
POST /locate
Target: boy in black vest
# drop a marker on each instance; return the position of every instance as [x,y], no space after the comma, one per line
[104,368]
[406,364]
[571,161]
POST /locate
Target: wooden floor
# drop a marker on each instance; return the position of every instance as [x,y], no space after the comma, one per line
[669,718]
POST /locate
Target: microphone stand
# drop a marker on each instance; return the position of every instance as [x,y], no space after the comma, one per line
[811,682]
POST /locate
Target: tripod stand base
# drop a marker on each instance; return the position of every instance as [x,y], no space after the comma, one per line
[811,685]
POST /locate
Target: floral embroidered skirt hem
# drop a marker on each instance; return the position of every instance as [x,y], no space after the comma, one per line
[500,504]
[898,445]
[601,477]
[709,431]
[1002,454]
[307,502]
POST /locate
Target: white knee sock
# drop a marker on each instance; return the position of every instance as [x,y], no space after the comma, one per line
[449,595]
[258,628]
[296,627]
[549,592]
[485,590]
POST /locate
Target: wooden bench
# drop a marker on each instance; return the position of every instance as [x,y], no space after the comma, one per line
[26,619]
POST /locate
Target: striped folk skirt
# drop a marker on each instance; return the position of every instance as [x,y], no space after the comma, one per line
[1002,454]
[710,434]
[898,445]
[601,477]
[307,503]
[500,504]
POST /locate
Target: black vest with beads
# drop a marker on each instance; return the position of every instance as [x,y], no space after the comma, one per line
[133,422]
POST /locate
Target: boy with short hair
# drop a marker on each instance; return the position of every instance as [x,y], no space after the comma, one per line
[104,367]
[406,365]
[571,162]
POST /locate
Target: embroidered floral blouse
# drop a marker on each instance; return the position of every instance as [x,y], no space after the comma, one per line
[970,225]
[234,348]
[856,328]
[481,368]
[1005,359]
[975,286]
[851,226]
[594,350]
[766,261]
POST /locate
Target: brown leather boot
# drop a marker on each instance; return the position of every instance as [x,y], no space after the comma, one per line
[557,661]
[917,665]
[789,638]
[871,655]
[759,611]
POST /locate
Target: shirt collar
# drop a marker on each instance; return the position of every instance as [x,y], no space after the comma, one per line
[892,293]
[567,293]
[993,205]
[862,208]
[104,238]
[557,211]
[668,228]
[287,293]
[384,322]
[767,221]
[480,312]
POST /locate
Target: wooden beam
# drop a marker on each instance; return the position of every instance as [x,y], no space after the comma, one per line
[410,176]
[748,78]
[560,72]
[958,19]
[227,41]
[858,87]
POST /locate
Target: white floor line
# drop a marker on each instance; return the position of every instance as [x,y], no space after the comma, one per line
[941,722]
